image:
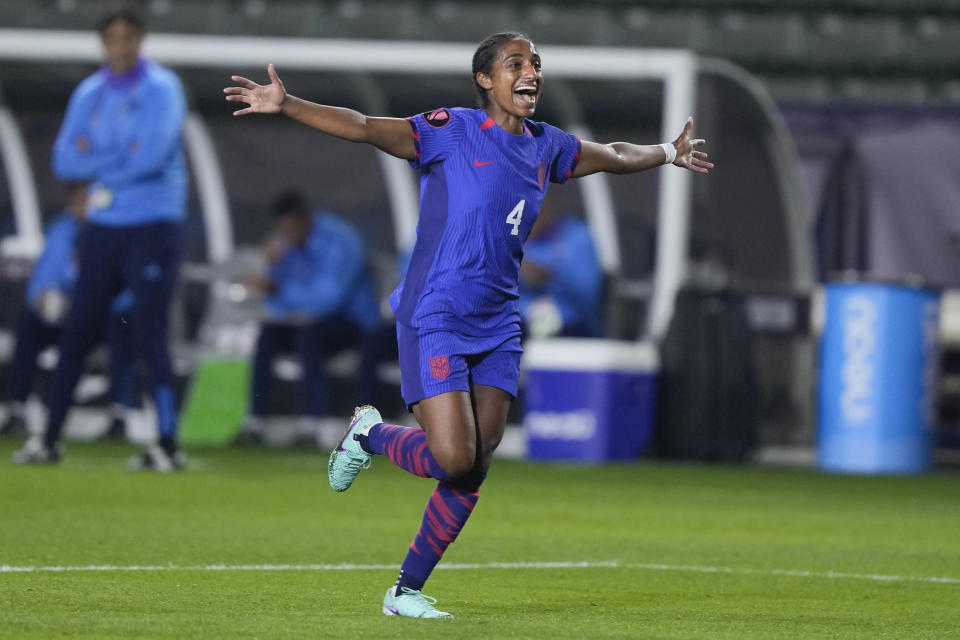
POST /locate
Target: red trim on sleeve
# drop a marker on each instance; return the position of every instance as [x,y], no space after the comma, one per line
[416,140]
[576,158]
[486,124]
[413,129]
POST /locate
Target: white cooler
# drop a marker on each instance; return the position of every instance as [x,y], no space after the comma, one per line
[589,400]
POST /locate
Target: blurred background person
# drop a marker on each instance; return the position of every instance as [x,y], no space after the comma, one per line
[122,134]
[319,301]
[49,294]
[561,283]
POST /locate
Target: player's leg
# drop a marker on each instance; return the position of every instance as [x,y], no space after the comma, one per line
[443,448]
[151,265]
[97,283]
[453,500]
[410,448]
[493,387]
[491,406]
[446,449]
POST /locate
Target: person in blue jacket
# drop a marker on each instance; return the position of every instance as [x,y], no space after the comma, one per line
[39,326]
[560,278]
[122,136]
[319,297]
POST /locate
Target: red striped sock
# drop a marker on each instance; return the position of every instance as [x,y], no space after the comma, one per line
[407,448]
[446,513]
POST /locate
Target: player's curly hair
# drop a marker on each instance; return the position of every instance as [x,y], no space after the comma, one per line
[484,56]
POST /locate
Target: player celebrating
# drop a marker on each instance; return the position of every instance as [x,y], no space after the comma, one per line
[484,173]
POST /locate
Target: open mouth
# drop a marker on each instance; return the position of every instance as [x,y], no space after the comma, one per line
[526,94]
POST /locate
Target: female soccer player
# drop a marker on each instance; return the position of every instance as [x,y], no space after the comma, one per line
[484,173]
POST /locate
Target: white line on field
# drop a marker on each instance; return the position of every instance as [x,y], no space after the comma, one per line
[307,567]
[793,573]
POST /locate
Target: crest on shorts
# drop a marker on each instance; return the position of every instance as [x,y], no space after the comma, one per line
[438,118]
[440,367]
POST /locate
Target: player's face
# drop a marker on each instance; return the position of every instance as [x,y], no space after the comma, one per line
[121,45]
[516,81]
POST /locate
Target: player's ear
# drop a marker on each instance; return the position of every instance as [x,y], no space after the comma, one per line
[484,81]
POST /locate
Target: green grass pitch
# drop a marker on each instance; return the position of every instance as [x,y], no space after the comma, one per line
[677,551]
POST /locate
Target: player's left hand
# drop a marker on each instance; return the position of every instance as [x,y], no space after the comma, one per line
[260,98]
[687,155]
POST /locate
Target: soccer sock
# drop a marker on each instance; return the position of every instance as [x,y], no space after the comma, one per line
[406,447]
[166,411]
[446,513]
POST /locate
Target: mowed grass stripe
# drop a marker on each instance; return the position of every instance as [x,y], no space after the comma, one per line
[609,564]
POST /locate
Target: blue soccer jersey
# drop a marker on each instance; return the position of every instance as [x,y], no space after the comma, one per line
[480,193]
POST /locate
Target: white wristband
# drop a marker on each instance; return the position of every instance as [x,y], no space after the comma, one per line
[670,151]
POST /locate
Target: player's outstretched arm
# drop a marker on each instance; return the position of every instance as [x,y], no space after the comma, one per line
[392,135]
[624,157]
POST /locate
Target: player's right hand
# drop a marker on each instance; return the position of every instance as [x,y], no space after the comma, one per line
[260,98]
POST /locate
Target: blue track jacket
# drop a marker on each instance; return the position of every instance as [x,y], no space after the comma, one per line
[123,135]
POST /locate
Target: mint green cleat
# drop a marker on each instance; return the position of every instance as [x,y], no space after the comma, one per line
[412,604]
[348,458]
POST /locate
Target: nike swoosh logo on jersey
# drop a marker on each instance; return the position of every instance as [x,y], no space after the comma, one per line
[477,163]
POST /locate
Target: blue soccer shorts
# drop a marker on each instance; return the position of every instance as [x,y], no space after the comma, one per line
[437,361]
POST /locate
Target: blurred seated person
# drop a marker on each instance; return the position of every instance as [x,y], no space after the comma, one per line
[560,278]
[41,322]
[319,301]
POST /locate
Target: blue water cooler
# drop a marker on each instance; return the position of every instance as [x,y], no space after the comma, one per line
[879,371]
[588,400]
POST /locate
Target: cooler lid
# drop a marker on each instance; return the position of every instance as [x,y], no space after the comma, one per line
[586,354]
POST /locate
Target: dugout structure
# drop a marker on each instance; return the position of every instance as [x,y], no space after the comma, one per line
[745,227]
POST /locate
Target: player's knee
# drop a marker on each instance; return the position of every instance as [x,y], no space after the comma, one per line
[456,461]
[487,454]
[469,483]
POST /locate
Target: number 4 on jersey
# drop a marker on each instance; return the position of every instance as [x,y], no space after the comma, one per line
[514,218]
